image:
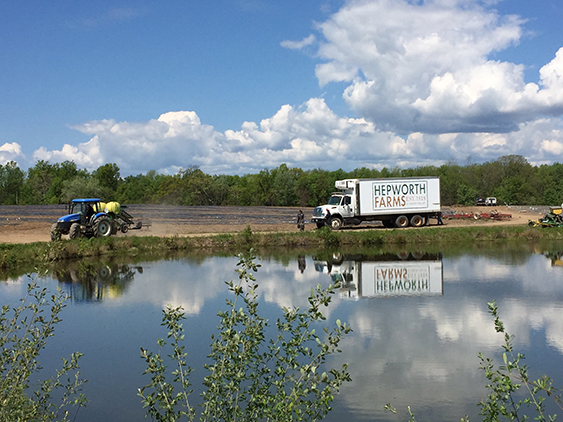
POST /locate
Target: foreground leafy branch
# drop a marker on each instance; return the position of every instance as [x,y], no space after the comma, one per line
[251,377]
[24,331]
[508,379]
[505,382]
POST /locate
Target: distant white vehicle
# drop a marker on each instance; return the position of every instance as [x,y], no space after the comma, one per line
[491,201]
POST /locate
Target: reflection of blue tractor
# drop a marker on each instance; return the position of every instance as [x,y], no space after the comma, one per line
[86,217]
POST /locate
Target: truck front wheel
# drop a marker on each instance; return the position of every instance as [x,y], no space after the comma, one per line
[402,221]
[335,223]
[102,227]
[417,221]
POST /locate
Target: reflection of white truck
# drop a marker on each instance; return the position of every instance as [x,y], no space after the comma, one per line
[386,277]
[396,202]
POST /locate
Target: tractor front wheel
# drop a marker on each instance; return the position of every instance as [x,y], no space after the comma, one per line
[74,232]
[102,227]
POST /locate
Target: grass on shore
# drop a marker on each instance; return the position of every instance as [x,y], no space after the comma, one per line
[15,257]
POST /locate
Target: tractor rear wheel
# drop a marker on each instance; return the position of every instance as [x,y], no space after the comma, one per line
[102,227]
[74,232]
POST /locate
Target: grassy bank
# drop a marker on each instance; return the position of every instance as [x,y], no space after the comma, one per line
[18,257]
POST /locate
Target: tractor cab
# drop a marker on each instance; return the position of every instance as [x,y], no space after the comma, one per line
[81,211]
[85,208]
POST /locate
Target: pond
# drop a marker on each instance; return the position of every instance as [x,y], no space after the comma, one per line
[419,320]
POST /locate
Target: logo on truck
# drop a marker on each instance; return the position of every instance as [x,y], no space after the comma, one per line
[390,195]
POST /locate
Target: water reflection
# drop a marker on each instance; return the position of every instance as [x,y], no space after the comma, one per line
[96,283]
[415,339]
[385,274]
[556,257]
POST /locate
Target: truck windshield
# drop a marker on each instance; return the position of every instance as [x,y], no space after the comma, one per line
[334,200]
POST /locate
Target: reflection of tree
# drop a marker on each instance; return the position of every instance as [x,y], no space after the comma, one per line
[96,282]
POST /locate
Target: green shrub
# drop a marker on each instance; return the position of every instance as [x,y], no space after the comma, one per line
[251,377]
[24,331]
[505,383]
[507,379]
[329,237]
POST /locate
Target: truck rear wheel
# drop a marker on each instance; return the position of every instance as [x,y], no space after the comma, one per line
[402,221]
[102,227]
[74,232]
[417,221]
[335,223]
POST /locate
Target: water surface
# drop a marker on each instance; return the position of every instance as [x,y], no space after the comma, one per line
[419,321]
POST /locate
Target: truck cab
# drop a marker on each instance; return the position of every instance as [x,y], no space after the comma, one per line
[338,210]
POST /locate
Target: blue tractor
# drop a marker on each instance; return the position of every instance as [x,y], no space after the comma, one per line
[87,218]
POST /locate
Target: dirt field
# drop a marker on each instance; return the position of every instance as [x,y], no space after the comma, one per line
[14,229]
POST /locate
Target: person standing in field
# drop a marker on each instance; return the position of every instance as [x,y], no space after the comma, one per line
[301,220]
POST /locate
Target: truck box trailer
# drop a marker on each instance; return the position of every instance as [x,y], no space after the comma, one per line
[396,202]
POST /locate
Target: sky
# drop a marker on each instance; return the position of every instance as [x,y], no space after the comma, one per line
[238,86]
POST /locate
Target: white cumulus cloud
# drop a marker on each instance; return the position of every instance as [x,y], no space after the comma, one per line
[10,152]
[425,67]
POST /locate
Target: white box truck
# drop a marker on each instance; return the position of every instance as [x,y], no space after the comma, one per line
[396,202]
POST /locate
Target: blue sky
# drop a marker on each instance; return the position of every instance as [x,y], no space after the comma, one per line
[236,86]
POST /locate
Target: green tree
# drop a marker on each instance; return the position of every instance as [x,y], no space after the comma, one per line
[37,183]
[551,177]
[11,183]
[196,187]
[63,173]
[139,189]
[168,189]
[108,177]
[284,181]
[81,187]
[451,177]
[466,194]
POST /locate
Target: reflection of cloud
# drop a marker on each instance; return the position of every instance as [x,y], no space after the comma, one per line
[417,351]
[181,283]
[285,286]
[479,268]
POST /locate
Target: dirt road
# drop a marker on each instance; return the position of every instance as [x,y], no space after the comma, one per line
[203,221]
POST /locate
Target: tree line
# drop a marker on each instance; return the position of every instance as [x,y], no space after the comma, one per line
[511,179]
